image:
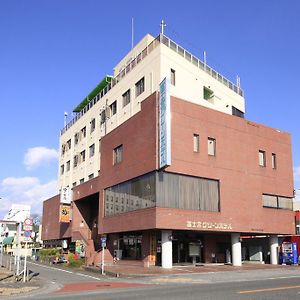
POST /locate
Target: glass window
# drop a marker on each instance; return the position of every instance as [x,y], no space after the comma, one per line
[102,117]
[68,165]
[91,176]
[113,108]
[92,150]
[93,124]
[208,94]
[196,142]
[82,156]
[75,161]
[68,144]
[274,161]
[173,79]
[211,145]
[62,169]
[237,112]
[262,158]
[126,98]
[118,154]
[140,87]
[83,132]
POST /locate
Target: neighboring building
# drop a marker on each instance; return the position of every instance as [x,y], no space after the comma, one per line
[181,183]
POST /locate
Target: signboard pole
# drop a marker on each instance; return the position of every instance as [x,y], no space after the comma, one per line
[1,257]
[25,263]
[18,248]
[102,264]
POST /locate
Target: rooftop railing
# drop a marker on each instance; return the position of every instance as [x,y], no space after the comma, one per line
[134,62]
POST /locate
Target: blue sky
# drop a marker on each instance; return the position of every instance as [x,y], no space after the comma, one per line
[52,54]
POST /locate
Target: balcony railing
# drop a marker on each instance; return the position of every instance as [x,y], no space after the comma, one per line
[134,62]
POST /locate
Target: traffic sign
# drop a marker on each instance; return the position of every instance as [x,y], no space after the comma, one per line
[27,227]
[27,233]
[28,222]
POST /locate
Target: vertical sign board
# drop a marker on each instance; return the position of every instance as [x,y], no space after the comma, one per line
[64,213]
[65,195]
[164,124]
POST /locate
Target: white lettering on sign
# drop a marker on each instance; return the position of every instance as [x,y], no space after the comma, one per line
[208,225]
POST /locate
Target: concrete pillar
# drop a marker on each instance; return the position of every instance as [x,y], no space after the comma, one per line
[273,249]
[166,249]
[236,249]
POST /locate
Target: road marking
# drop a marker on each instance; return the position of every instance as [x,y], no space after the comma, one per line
[52,268]
[89,276]
[270,289]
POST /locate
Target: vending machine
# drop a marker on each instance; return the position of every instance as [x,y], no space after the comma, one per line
[288,253]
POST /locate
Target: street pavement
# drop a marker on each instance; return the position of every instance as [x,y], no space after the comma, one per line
[60,282]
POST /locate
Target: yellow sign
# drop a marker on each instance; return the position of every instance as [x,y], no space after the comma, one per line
[208,225]
[64,213]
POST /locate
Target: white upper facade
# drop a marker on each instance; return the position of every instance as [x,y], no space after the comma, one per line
[135,78]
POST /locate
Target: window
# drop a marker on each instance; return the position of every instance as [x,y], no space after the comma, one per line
[83,132]
[274,162]
[237,112]
[140,87]
[172,77]
[82,156]
[262,158]
[93,124]
[81,181]
[74,184]
[211,146]
[274,201]
[208,94]
[63,149]
[69,144]
[126,98]
[91,176]
[102,117]
[113,108]
[76,138]
[118,154]
[62,169]
[92,150]
[196,142]
[99,146]
[68,165]
[75,161]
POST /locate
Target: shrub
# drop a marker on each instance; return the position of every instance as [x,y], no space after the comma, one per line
[48,253]
[75,262]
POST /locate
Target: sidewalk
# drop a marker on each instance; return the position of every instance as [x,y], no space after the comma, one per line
[136,269]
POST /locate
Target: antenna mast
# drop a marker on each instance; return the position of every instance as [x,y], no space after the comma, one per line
[162,25]
[132,33]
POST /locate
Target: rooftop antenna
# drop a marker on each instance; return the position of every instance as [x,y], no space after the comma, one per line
[162,25]
[204,59]
[132,33]
[238,81]
[65,118]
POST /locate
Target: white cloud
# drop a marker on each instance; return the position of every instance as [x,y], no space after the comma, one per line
[25,190]
[39,156]
[297,177]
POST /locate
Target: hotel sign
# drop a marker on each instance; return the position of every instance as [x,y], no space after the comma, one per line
[65,195]
[208,225]
[164,124]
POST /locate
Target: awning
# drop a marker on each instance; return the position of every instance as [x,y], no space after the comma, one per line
[8,240]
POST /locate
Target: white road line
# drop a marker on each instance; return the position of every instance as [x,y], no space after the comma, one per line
[88,276]
[51,268]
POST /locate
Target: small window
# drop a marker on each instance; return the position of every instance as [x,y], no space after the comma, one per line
[196,142]
[74,184]
[82,156]
[274,161]
[75,161]
[173,79]
[81,181]
[99,146]
[63,149]
[237,112]
[102,117]
[92,150]
[211,144]
[76,138]
[208,94]
[68,165]
[68,144]
[93,124]
[91,176]
[262,158]
[118,154]
[140,87]
[83,132]
[62,169]
[113,108]
[126,98]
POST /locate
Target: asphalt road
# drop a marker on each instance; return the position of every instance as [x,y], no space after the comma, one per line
[62,283]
